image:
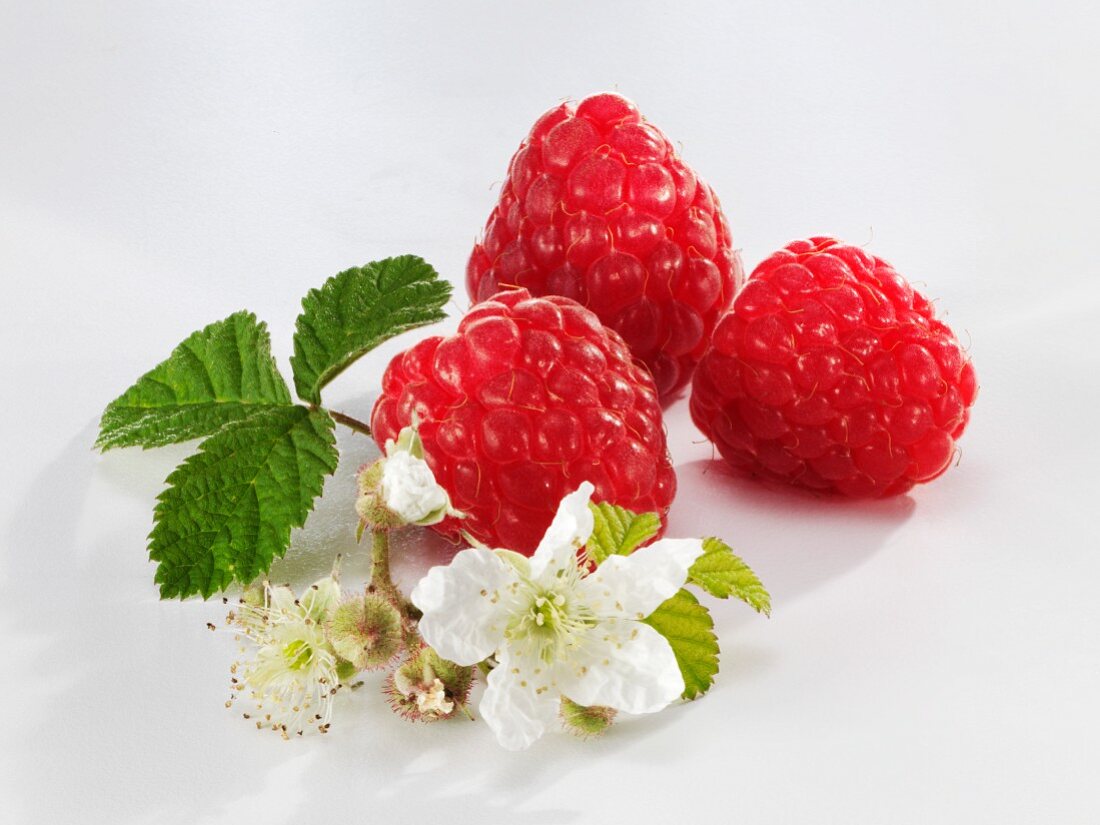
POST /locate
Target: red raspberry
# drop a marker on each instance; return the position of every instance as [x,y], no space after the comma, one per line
[831,372]
[598,207]
[528,399]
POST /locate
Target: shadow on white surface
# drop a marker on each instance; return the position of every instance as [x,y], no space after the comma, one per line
[139,682]
[795,540]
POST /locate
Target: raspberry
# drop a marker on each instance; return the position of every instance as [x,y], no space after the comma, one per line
[528,399]
[598,207]
[831,372]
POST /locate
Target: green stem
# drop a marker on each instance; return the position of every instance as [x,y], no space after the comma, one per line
[382,582]
[380,562]
[350,423]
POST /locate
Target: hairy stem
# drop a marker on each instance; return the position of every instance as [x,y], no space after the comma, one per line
[382,582]
[380,563]
[349,422]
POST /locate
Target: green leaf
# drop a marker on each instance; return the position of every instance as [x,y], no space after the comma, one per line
[723,574]
[690,630]
[619,532]
[357,310]
[221,373]
[229,508]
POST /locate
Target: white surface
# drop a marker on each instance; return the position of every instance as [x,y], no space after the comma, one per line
[932,659]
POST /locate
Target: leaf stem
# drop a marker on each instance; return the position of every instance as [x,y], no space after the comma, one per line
[350,423]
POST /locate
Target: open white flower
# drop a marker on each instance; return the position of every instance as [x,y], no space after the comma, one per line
[292,678]
[555,628]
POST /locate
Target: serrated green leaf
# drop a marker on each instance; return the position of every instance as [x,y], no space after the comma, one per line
[221,373]
[229,508]
[357,310]
[689,629]
[617,531]
[722,573]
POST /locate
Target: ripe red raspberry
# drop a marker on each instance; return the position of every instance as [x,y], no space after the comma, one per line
[598,207]
[832,373]
[528,399]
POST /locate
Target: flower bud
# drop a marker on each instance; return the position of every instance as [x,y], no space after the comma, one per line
[585,721]
[366,631]
[370,505]
[400,488]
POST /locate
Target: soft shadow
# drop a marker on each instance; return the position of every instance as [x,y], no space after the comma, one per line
[795,540]
[122,695]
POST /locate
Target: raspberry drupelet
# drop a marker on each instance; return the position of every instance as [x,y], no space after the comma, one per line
[598,207]
[529,398]
[831,372]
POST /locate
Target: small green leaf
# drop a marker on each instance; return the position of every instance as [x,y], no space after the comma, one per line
[723,574]
[357,310]
[221,373]
[690,630]
[619,532]
[229,508]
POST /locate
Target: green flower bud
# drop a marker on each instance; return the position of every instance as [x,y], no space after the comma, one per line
[366,631]
[585,721]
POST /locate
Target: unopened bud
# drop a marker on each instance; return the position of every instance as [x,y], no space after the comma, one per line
[366,631]
[586,721]
[370,504]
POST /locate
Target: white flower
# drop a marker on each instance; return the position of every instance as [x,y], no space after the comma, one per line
[292,678]
[409,489]
[400,488]
[555,628]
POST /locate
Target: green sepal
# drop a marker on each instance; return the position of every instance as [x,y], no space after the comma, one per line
[345,670]
[520,563]
[585,721]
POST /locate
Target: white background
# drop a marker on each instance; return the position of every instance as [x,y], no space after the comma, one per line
[931,659]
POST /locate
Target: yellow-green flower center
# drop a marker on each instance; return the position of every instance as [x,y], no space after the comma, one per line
[551,625]
[298,654]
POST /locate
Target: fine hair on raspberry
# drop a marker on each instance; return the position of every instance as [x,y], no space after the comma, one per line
[598,206]
[527,400]
[831,372]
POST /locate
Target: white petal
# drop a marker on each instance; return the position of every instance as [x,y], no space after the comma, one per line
[514,707]
[634,671]
[634,586]
[410,490]
[568,532]
[465,605]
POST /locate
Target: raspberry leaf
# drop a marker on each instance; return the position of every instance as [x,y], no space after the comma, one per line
[229,508]
[689,629]
[617,531]
[222,373]
[723,574]
[357,310]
